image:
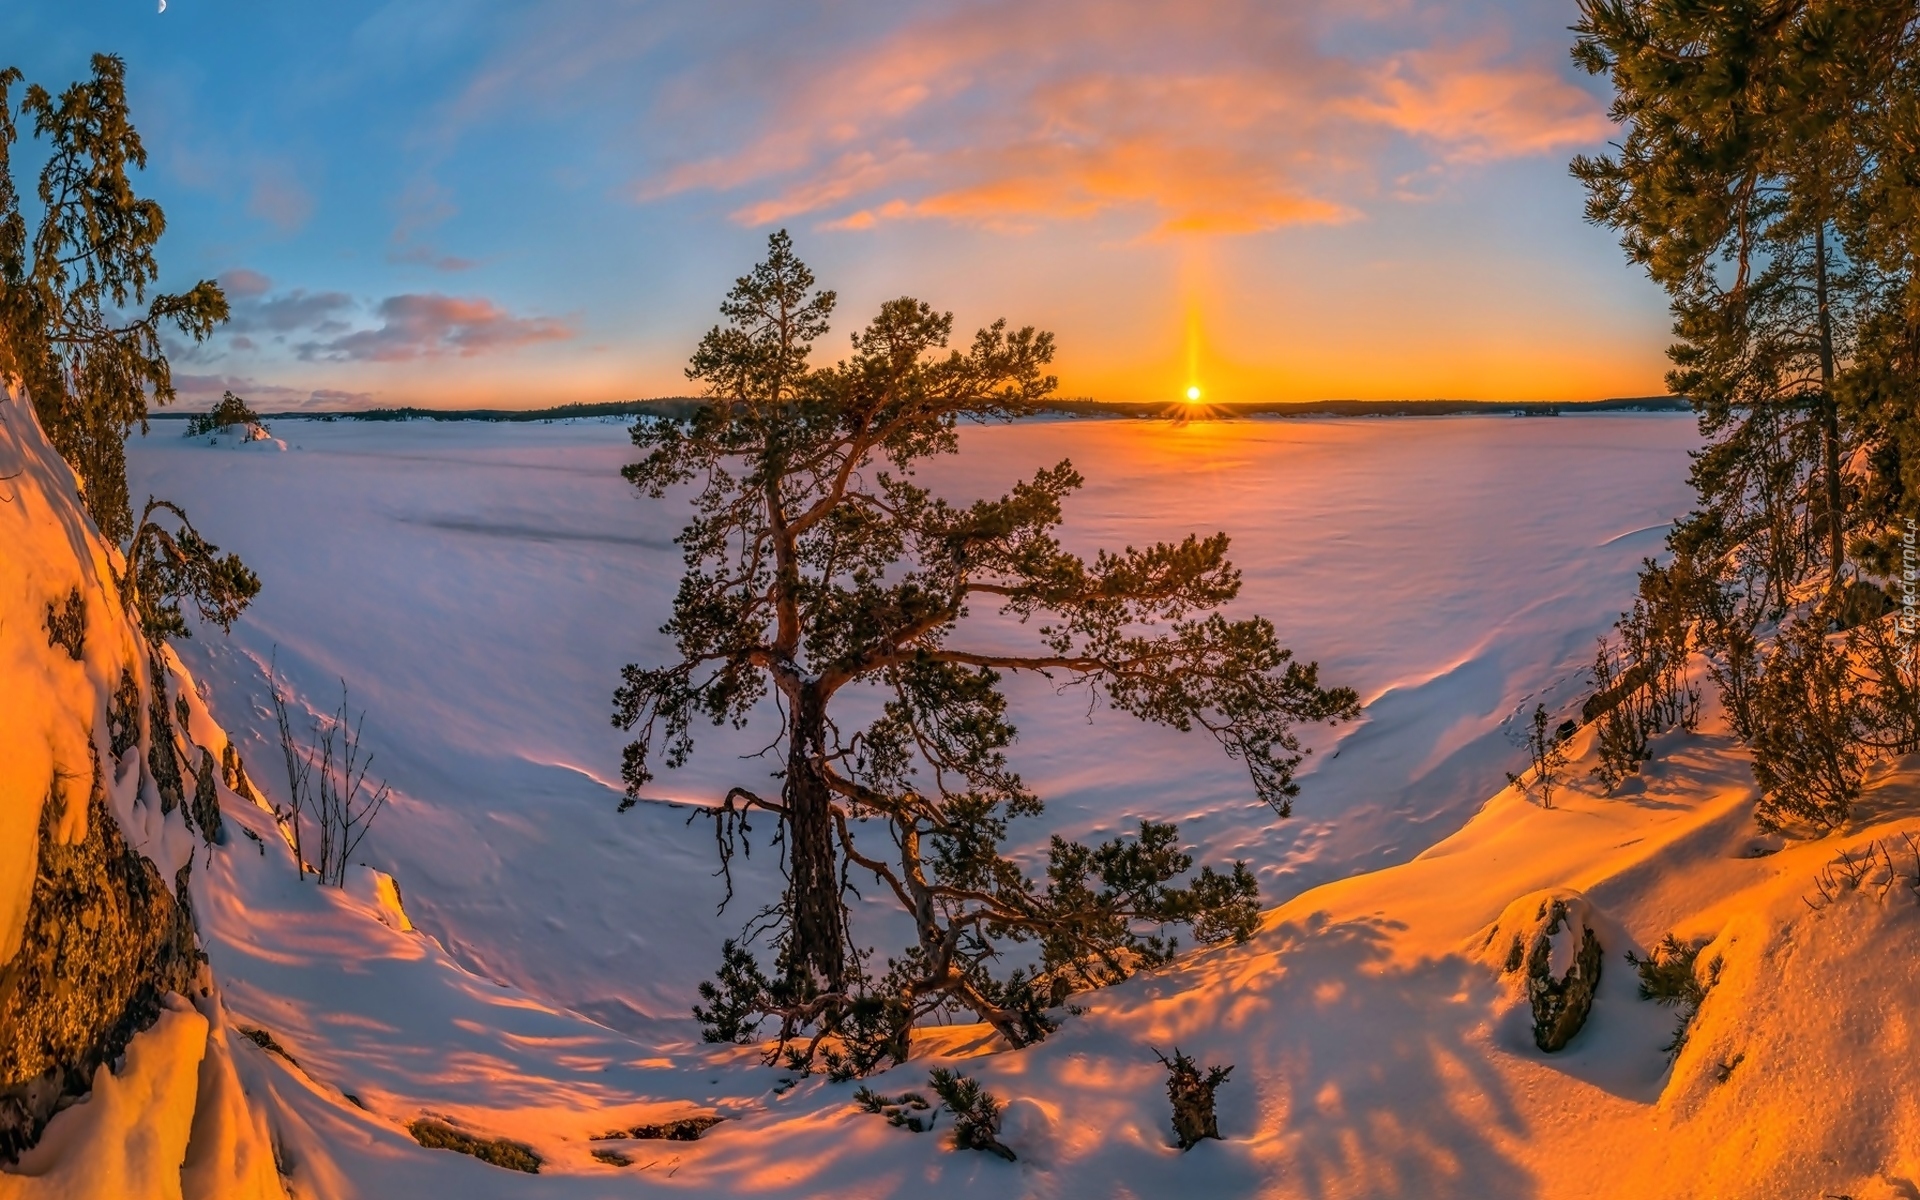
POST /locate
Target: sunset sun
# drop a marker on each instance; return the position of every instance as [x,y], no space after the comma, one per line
[1193,394]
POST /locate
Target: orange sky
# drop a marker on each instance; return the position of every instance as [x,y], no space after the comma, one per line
[543,202]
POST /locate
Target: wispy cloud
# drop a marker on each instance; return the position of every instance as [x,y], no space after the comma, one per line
[202,391]
[428,325]
[1230,117]
[427,256]
[254,310]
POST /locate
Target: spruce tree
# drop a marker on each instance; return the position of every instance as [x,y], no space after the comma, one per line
[816,568]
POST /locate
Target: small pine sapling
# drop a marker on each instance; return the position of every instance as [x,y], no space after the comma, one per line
[1548,753]
[1191,1092]
[908,1110]
[735,998]
[976,1112]
[1670,974]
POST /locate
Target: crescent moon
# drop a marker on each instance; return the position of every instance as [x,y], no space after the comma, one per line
[163,5]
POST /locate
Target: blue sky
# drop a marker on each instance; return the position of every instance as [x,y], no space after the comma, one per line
[475,202]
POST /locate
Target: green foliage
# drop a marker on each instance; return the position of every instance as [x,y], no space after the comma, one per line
[1769,180]
[904,1110]
[1642,680]
[72,331]
[229,412]
[815,563]
[737,998]
[1671,975]
[1749,144]
[168,566]
[1809,730]
[976,1112]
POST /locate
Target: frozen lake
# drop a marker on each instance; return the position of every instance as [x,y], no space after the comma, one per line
[478,587]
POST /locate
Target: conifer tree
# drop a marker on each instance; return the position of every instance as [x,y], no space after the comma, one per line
[90,365]
[1742,158]
[816,567]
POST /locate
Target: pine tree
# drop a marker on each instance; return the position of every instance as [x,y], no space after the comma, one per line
[1743,156]
[816,566]
[89,369]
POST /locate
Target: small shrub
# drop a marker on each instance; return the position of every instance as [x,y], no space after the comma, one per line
[1623,724]
[67,624]
[872,1032]
[1192,1096]
[1671,975]
[1548,753]
[903,1110]
[438,1135]
[327,785]
[168,562]
[1809,731]
[686,1129]
[976,1112]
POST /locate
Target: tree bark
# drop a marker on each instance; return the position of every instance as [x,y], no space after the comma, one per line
[815,909]
[1829,414]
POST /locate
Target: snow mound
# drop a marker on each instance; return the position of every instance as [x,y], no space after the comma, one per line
[251,435]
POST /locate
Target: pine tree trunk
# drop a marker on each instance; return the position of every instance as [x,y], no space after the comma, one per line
[814,905]
[1829,415]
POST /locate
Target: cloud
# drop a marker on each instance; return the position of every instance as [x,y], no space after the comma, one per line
[241,283]
[426,256]
[279,198]
[251,310]
[428,325]
[1236,116]
[1475,112]
[202,391]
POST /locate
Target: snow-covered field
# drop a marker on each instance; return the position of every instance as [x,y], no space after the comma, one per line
[478,587]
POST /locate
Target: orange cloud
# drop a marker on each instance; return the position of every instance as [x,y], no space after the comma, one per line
[1226,118]
[1476,112]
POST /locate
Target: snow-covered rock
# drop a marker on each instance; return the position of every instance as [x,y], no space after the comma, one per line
[107,1071]
[1546,943]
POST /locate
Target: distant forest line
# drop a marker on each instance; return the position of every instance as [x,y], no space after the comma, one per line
[677,406]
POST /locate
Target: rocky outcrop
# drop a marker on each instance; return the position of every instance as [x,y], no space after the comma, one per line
[1546,942]
[105,940]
